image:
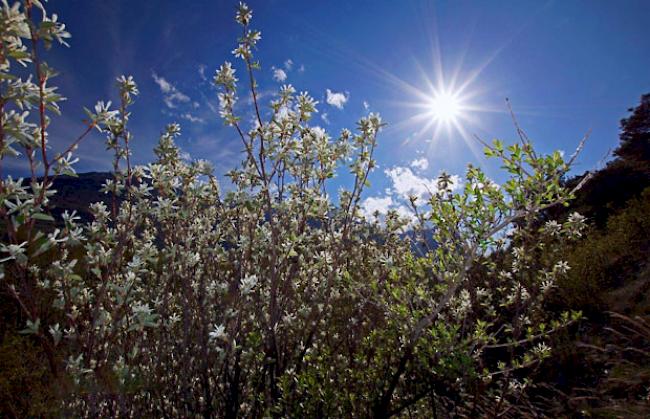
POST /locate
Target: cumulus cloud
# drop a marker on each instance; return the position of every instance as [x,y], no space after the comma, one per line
[288,64]
[171,95]
[406,183]
[336,99]
[420,164]
[381,206]
[279,74]
[371,205]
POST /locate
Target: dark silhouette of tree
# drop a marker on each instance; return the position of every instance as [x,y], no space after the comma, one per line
[635,135]
[624,177]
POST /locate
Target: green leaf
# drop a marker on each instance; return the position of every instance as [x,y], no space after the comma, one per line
[42,217]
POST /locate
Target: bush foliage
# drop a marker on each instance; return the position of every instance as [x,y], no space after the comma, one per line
[273,297]
[608,259]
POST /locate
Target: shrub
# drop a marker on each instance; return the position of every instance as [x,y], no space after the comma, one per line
[608,258]
[274,298]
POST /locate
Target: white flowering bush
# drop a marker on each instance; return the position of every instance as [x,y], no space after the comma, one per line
[273,298]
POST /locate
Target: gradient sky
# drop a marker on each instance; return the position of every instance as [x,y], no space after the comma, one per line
[567,67]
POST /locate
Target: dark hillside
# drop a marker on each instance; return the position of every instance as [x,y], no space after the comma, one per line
[77,193]
[603,369]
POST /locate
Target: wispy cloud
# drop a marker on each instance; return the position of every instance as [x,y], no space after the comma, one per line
[288,65]
[279,74]
[171,95]
[225,154]
[164,85]
[325,118]
[188,116]
[202,68]
[336,99]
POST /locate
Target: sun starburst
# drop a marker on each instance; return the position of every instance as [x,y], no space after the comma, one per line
[446,107]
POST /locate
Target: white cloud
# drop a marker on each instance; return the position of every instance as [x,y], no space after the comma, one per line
[175,97]
[370,205]
[202,68]
[171,95]
[301,69]
[337,99]
[325,117]
[164,85]
[279,74]
[420,164]
[288,64]
[188,116]
[405,212]
[366,105]
[382,205]
[406,183]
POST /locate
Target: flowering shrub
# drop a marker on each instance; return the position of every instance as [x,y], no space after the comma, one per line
[274,298]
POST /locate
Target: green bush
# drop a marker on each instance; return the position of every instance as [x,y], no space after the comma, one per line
[26,386]
[609,258]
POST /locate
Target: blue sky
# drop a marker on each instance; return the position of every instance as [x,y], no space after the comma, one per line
[567,67]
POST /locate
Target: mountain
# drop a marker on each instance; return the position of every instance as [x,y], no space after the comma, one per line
[77,193]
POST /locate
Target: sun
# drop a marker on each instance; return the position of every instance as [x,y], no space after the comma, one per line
[445,107]
[442,110]
[444,113]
